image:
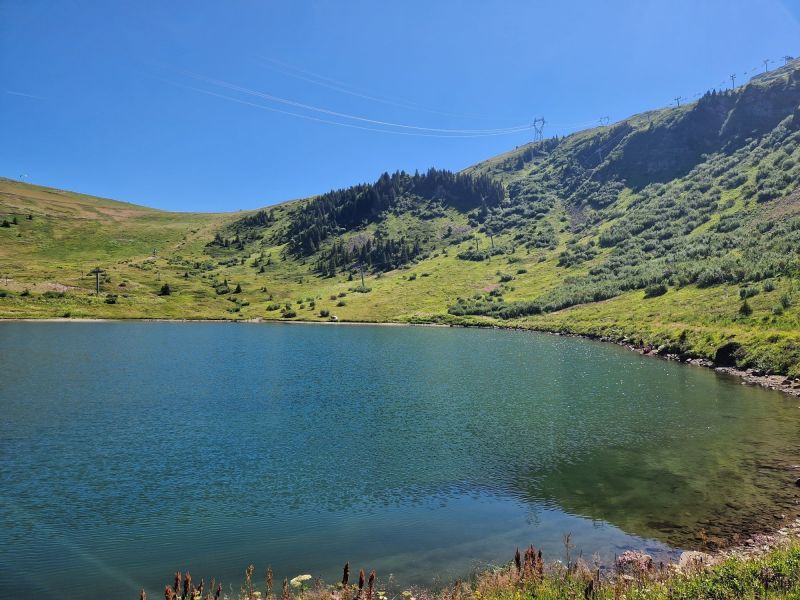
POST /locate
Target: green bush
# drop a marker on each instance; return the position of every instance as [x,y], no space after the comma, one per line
[654,290]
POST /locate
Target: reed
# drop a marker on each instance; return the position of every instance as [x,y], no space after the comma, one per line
[370,584]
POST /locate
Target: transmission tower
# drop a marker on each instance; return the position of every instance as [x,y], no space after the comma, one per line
[538,129]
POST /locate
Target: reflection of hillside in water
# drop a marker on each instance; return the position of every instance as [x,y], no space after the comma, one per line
[690,492]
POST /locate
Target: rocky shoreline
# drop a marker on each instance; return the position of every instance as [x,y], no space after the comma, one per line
[779,383]
[754,546]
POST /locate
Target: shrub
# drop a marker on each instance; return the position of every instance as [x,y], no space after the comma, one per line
[654,290]
[165,290]
[288,314]
[745,309]
[272,307]
[25,293]
[785,301]
[745,292]
[505,277]
[324,313]
[768,286]
[238,289]
[341,303]
[111,299]
[521,271]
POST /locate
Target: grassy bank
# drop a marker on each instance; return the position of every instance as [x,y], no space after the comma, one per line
[773,573]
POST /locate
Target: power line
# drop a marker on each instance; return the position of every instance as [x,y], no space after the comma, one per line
[338,86]
[330,122]
[334,113]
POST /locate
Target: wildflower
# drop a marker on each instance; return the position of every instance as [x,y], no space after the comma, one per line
[299,580]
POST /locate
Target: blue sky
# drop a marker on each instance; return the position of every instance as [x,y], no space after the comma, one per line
[176,104]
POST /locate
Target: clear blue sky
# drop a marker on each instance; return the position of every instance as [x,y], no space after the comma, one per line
[164,103]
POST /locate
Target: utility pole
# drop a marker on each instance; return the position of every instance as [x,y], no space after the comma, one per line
[733,80]
[678,100]
[96,272]
[766,65]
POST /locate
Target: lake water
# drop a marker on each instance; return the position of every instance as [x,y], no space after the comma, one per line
[131,450]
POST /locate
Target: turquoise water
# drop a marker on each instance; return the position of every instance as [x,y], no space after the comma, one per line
[131,450]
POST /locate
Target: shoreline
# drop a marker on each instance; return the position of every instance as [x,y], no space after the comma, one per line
[779,383]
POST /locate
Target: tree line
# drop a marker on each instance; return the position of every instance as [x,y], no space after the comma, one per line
[346,209]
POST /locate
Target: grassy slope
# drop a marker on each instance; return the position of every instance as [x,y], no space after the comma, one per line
[70,234]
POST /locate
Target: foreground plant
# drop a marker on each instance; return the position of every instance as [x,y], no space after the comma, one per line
[774,574]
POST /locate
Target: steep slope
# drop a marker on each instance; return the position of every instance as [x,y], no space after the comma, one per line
[677,229]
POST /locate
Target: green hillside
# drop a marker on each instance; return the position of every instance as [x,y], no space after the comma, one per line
[677,229]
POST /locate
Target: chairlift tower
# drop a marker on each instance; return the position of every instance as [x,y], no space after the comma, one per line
[733,80]
[97,271]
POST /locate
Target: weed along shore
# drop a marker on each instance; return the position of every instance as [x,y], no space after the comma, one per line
[766,566]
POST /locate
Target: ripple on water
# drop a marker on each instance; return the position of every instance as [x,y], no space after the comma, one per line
[129,450]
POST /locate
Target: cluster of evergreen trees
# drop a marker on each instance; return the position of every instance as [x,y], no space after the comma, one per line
[260,219]
[345,209]
[223,242]
[374,255]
